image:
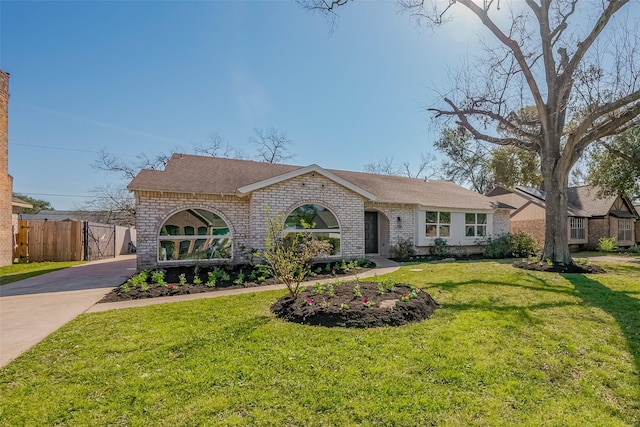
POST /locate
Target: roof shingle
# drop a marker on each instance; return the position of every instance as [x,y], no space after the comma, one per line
[213,175]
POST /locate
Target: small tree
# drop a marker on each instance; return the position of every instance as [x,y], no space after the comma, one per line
[289,258]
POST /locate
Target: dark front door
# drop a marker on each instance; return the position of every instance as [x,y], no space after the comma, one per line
[371,232]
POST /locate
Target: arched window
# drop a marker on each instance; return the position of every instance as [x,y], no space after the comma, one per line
[318,220]
[213,240]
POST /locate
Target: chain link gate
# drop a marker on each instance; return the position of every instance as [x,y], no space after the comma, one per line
[99,241]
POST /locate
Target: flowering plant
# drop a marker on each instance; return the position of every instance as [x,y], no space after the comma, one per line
[368,303]
[308,301]
[172,287]
[404,297]
[325,304]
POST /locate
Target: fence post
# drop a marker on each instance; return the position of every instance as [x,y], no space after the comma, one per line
[85,239]
[22,250]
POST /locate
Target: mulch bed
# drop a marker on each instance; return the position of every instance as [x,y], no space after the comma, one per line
[559,268]
[388,309]
[173,287]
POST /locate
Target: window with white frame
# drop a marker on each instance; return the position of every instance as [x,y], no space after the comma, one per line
[624,229]
[318,220]
[475,224]
[438,224]
[577,228]
[178,240]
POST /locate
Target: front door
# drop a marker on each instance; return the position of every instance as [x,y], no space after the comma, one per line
[371,232]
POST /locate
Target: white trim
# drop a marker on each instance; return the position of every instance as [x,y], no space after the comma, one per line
[243,191]
[445,209]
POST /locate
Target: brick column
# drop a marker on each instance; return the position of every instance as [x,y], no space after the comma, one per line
[6,182]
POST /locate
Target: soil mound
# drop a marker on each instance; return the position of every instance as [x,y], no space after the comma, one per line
[374,305]
[559,268]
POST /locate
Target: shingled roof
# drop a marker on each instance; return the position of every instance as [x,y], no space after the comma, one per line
[581,201]
[213,175]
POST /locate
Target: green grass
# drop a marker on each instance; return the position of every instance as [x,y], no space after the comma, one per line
[15,272]
[508,347]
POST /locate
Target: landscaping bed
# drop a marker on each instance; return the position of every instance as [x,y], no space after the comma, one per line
[172,281]
[579,267]
[356,305]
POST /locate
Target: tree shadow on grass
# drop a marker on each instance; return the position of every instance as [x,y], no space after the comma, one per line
[624,308]
[10,278]
[621,305]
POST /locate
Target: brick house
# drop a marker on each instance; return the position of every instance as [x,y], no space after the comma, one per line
[588,217]
[212,208]
[6,181]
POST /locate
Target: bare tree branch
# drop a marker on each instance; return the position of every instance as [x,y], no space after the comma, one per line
[272,145]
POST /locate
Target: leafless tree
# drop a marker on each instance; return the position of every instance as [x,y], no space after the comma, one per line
[577,62]
[272,145]
[115,200]
[387,165]
[216,146]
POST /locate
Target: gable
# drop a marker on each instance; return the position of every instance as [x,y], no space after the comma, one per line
[311,170]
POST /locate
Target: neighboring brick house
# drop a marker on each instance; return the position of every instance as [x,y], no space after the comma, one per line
[6,181]
[214,208]
[588,217]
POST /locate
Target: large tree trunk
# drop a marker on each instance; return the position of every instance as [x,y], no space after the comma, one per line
[556,238]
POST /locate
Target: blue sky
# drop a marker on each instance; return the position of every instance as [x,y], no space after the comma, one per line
[143,76]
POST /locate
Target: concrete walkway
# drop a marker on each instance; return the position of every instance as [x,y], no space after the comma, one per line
[31,309]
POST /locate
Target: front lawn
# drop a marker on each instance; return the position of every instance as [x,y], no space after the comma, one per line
[15,272]
[508,347]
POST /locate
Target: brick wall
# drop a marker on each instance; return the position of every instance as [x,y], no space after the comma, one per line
[598,227]
[284,197]
[501,222]
[6,182]
[394,230]
[246,216]
[154,208]
[533,227]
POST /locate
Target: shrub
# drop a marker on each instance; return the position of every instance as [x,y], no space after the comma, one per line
[289,259]
[403,250]
[607,244]
[524,245]
[519,245]
[500,247]
[440,247]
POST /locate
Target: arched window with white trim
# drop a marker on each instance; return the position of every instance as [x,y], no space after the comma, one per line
[318,220]
[177,239]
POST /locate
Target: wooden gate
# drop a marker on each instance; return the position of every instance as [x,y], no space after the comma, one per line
[40,241]
[99,241]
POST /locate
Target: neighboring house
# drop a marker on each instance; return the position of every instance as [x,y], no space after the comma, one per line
[102,217]
[588,217]
[214,208]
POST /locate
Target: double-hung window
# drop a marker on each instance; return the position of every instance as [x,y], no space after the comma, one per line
[438,224]
[624,229]
[577,228]
[475,225]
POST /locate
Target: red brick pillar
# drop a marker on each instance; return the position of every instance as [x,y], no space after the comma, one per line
[6,182]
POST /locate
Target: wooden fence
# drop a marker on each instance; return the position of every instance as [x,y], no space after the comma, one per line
[40,240]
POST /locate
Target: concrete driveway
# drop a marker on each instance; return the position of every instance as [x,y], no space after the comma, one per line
[31,309]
